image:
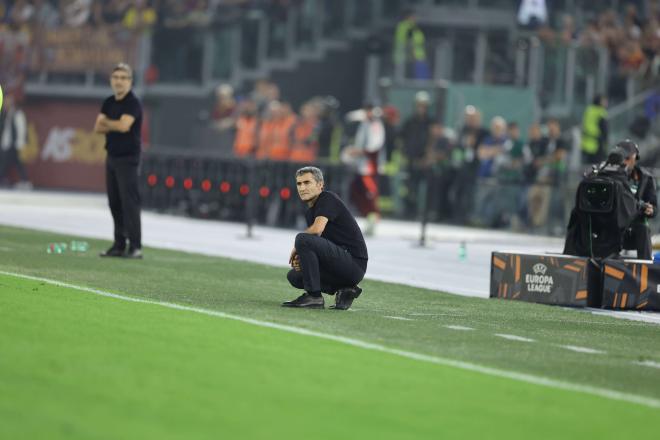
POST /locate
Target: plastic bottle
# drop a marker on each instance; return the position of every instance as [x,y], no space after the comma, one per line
[656,258]
[462,251]
[56,248]
[79,246]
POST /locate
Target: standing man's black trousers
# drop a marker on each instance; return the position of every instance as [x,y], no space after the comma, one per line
[325,266]
[638,237]
[121,180]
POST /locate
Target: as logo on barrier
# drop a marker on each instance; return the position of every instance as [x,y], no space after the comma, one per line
[539,282]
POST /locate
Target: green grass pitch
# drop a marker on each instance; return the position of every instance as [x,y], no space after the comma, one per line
[74,364]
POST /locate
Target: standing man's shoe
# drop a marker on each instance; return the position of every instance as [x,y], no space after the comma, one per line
[344,297]
[306,301]
[134,253]
[112,252]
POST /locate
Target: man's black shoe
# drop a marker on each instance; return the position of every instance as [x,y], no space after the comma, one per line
[134,253]
[344,297]
[307,301]
[112,252]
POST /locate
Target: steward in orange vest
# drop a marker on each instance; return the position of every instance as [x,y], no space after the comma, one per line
[305,146]
[275,133]
[247,126]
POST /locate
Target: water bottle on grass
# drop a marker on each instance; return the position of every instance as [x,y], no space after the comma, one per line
[56,248]
[79,246]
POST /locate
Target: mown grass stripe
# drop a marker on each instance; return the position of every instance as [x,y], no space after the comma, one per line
[521,377]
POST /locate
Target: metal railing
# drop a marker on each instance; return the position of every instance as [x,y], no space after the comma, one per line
[564,77]
[263,192]
[227,189]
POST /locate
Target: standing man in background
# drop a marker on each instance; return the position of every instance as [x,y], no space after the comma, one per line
[121,122]
[409,53]
[471,135]
[369,154]
[594,131]
[415,136]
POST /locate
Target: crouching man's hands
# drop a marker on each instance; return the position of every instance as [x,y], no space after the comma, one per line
[294,260]
[295,263]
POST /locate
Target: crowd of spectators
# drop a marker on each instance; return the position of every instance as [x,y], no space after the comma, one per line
[132,14]
[32,15]
[632,38]
[23,21]
[501,176]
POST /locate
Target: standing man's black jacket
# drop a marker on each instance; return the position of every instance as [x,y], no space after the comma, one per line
[129,143]
[644,189]
[600,234]
[638,235]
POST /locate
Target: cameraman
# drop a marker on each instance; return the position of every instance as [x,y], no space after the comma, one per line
[605,207]
[642,185]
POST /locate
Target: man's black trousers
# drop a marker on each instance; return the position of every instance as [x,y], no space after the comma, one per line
[638,237]
[326,267]
[121,178]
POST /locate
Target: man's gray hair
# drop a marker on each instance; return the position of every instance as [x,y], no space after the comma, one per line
[316,172]
[123,67]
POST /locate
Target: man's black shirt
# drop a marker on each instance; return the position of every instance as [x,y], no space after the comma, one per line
[342,229]
[415,136]
[123,144]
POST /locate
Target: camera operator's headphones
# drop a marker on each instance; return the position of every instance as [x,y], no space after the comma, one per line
[627,148]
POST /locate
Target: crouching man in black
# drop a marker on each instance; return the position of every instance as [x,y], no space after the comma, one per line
[642,185]
[330,256]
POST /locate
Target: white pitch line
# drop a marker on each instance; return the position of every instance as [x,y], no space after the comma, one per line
[632,315]
[434,314]
[399,318]
[651,364]
[520,377]
[582,349]
[513,337]
[459,327]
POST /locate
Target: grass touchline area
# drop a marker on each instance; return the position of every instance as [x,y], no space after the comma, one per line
[404,362]
[536,380]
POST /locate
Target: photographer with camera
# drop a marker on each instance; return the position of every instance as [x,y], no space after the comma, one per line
[606,208]
[642,185]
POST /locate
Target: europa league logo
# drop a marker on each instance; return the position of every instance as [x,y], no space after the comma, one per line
[539,269]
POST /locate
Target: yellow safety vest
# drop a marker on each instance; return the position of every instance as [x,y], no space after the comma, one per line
[590,128]
[417,41]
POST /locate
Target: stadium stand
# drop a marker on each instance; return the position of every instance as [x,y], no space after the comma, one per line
[228,82]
